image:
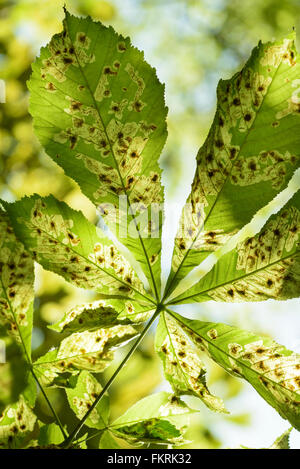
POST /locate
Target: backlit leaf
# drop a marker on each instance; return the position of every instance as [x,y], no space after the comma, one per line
[88,350]
[16,299]
[283,441]
[99,314]
[182,365]
[50,434]
[261,267]
[249,156]
[269,367]
[160,418]
[99,111]
[62,240]
[16,424]
[83,395]
[14,372]
[108,441]
[16,286]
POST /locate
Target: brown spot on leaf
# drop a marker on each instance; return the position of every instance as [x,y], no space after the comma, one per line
[67,60]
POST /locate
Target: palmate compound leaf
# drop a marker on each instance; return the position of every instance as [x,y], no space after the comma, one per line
[159,418]
[249,155]
[261,267]
[102,313]
[182,365]
[88,350]
[82,396]
[99,112]
[62,240]
[269,367]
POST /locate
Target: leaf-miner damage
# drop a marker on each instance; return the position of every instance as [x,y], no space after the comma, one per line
[90,350]
[100,314]
[62,240]
[99,111]
[270,368]
[105,111]
[16,285]
[16,422]
[264,266]
[183,367]
[82,396]
[157,418]
[252,148]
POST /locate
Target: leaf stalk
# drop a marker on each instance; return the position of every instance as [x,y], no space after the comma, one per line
[68,441]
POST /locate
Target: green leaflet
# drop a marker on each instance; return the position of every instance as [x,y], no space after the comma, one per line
[262,267]
[160,418]
[88,350]
[248,157]
[13,372]
[16,424]
[52,370]
[107,441]
[16,311]
[50,434]
[101,313]
[82,396]
[16,286]
[269,367]
[99,111]
[283,441]
[182,365]
[87,317]
[62,240]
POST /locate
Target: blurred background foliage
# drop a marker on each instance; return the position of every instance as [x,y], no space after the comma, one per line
[192,43]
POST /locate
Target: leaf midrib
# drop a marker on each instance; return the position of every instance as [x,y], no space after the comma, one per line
[16,322]
[241,363]
[163,314]
[169,290]
[249,274]
[117,168]
[91,262]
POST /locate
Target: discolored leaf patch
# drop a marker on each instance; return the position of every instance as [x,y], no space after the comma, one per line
[16,285]
[88,350]
[183,367]
[100,314]
[252,149]
[269,367]
[266,266]
[160,418]
[82,396]
[63,241]
[103,122]
[16,423]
